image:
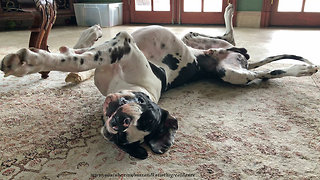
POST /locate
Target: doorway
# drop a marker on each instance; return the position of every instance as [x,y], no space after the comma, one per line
[292,12]
[178,11]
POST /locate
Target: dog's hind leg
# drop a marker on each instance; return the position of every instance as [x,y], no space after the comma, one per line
[87,39]
[241,76]
[253,65]
[202,41]
[228,15]
[296,70]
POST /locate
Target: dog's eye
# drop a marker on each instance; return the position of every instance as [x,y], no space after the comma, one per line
[123,101]
[126,121]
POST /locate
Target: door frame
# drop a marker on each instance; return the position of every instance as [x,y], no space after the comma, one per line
[269,16]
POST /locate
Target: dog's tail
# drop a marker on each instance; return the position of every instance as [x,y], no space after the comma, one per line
[270,59]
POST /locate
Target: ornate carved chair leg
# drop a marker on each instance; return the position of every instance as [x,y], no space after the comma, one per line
[49,13]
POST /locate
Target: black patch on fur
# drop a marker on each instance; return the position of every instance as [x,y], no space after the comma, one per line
[243,61]
[75,58]
[221,72]
[294,57]
[110,50]
[163,45]
[22,56]
[242,51]
[81,61]
[248,80]
[118,52]
[207,63]
[171,62]
[277,72]
[118,34]
[63,60]
[187,74]
[96,57]
[161,75]
[114,43]
[101,59]
[2,66]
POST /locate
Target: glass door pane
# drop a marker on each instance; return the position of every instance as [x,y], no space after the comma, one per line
[290,5]
[212,6]
[161,5]
[143,5]
[312,6]
[192,5]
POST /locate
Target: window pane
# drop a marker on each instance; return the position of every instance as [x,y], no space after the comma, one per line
[143,5]
[192,5]
[212,6]
[312,6]
[161,5]
[290,5]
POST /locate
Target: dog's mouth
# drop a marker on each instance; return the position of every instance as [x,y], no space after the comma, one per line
[106,135]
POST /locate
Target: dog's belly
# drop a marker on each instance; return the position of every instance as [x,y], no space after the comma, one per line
[114,78]
[162,48]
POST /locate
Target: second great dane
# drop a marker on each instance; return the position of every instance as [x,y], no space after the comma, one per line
[133,70]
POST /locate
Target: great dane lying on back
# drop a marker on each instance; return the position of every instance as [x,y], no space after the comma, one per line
[133,70]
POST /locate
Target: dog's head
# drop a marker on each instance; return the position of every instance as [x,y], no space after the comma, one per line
[131,116]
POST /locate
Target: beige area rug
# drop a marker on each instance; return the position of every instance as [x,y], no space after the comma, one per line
[270,130]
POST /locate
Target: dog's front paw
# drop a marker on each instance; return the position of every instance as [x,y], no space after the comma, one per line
[134,150]
[139,153]
[19,64]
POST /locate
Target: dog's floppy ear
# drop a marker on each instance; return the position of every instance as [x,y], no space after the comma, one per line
[169,122]
[164,136]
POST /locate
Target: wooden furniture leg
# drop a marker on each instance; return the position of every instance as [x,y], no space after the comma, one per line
[44,15]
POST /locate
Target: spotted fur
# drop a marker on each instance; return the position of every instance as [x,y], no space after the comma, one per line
[132,71]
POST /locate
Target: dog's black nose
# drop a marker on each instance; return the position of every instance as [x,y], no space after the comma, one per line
[114,125]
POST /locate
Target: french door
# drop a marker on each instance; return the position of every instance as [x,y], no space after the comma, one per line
[295,13]
[151,11]
[202,11]
[178,11]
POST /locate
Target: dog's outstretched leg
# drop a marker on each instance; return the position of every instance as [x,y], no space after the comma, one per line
[86,40]
[296,70]
[241,76]
[27,61]
[228,15]
[202,41]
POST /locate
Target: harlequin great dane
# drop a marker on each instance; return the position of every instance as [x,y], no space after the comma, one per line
[133,70]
